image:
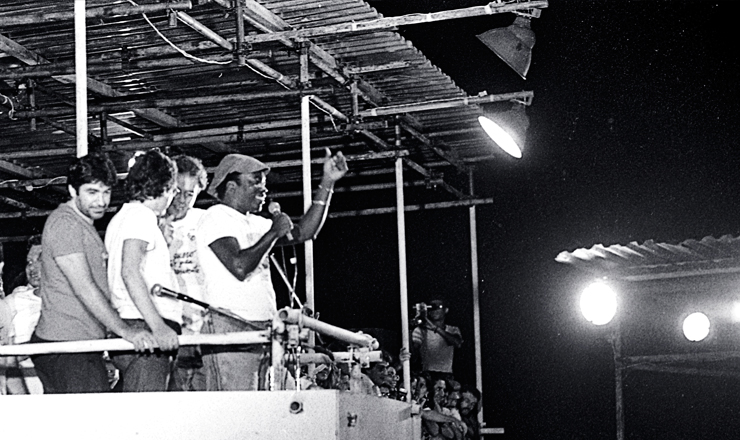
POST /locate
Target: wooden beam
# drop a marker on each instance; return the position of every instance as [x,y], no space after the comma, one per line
[265,20]
[392,22]
[31,58]
[14,203]
[95,12]
[17,170]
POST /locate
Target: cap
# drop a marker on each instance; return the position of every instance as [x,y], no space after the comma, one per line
[239,163]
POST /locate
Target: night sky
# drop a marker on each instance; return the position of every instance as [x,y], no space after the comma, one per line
[633,136]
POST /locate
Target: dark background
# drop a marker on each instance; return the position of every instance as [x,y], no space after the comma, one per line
[633,136]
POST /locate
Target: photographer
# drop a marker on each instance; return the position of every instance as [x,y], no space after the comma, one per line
[433,341]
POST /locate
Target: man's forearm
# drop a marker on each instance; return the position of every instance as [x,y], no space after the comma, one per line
[313,220]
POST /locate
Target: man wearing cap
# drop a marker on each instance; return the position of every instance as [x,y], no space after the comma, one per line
[233,249]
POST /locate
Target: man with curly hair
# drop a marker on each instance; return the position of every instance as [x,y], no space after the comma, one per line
[75,299]
[138,259]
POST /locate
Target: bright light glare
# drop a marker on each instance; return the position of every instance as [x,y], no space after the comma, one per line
[736,311]
[598,303]
[500,136]
[696,327]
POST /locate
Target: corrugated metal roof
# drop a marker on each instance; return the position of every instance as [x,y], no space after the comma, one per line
[155,96]
[651,260]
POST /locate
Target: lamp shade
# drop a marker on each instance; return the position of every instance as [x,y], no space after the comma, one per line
[513,44]
[508,129]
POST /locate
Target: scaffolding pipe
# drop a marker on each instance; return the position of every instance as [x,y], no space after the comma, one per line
[80,77]
[404,20]
[524,96]
[294,316]
[401,226]
[99,345]
[307,196]
[96,12]
[476,296]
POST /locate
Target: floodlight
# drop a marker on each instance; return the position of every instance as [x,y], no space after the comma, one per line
[508,129]
[598,303]
[513,44]
[696,327]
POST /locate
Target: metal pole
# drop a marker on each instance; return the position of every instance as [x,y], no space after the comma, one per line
[306,167]
[401,224]
[476,296]
[618,378]
[81,77]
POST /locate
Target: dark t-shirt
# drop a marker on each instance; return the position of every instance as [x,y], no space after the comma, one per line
[63,316]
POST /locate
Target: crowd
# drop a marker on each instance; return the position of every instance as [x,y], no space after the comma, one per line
[81,287]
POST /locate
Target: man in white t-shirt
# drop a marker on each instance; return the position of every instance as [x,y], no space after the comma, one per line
[191,180]
[233,248]
[25,308]
[138,259]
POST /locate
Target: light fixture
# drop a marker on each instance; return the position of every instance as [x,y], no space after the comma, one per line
[696,327]
[598,303]
[513,44]
[508,129]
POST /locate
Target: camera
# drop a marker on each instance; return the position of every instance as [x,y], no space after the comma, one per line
[421,314]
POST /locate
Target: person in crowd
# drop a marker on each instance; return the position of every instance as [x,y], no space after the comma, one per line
[435,423]
[452,399]
[469,409]
[192,178]
[420,388]
[233,247]
[434,341]
[381,374]
[75,299]
[24,305]
[138,259]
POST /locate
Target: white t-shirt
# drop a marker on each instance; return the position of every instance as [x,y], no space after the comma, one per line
[26,309]
[252,299]
[185,264]
[136,221]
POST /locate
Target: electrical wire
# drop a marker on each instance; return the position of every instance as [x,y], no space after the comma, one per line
[174,46]
[11,112]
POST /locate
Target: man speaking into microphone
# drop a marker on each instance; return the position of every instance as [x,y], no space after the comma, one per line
[233,247]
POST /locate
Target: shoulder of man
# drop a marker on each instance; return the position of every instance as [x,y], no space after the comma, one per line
[6,321]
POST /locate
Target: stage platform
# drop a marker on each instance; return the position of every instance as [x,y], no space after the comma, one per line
[283,415]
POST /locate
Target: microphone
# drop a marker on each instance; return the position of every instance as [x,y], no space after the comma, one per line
[158,290]
[274,209]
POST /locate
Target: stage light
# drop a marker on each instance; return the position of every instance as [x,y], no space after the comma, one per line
[513,44]
[508,129]
[598,303]
[696,327]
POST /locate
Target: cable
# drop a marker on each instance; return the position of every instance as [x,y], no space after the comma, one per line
[331,117]
[11,112]
[185,54]
[294,296]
